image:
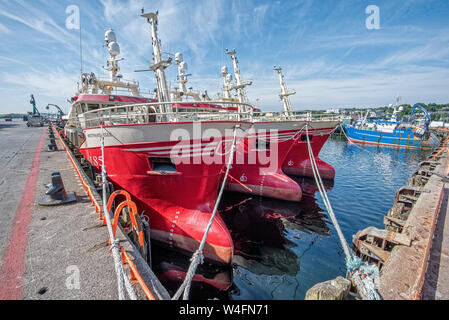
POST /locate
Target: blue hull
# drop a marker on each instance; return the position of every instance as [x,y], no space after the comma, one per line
[398,138]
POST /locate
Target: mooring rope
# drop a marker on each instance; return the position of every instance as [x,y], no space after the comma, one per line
[365,276]
[122,279]
[198,257]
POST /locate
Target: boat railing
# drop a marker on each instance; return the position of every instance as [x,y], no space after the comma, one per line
[118,80]
[296,116]
[156,112]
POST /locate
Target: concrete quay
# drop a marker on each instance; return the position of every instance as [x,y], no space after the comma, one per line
[54,253]
[412,252]
[407,269]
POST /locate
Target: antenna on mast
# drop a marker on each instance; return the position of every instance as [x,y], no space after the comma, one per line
[284,93]
[159,65]
[240,85]
[227,82]
[81,52]
[182,72]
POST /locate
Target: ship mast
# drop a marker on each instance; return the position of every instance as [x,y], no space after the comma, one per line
[182,73]
[114,51]
[182,79]
[284,95]
[91,84]
[227,79]
[159,65]
[240,85]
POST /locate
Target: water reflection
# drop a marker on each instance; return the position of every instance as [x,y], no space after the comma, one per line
[209,282]
[259,225]
[283,248]
[265,234]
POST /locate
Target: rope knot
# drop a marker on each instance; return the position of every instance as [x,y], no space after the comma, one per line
[115,244]
[198,255]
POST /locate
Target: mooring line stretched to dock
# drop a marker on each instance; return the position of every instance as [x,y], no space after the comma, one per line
[198,257]
[122,280]
[366,285]
[323,194]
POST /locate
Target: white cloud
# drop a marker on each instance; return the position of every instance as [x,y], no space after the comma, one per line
[327,64]
[53,83]
[4,29]
[368,90]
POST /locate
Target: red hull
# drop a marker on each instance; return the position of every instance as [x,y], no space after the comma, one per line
[178,203]
[258,171]
[297,161]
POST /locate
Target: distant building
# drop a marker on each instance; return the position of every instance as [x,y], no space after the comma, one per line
[333,111]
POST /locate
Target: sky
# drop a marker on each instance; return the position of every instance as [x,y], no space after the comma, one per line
[328,49]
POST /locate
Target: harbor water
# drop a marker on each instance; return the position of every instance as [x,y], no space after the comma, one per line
[283,248]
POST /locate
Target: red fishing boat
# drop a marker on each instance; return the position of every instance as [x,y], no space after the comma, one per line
[288,138]
[260,154]
[157,154]
[297,161]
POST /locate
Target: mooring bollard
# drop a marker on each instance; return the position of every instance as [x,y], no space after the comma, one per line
[51,136]
[52,146]
[56,194]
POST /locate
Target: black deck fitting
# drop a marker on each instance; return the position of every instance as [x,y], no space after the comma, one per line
[56,194]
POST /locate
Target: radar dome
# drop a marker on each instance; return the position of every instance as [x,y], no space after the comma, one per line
[114,49]
[178,57]
[109,36]
[224,70]
[183,66]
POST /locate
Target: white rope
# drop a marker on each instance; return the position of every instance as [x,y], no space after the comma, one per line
[198,257]
[122,279]
[367,285]
[325,198]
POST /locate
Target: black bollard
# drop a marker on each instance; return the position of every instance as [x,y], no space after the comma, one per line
[56,194]
[52,146]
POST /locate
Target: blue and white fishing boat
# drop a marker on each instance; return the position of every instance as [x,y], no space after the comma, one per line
[393,132]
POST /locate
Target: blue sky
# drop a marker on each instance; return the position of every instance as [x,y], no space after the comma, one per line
[328,55]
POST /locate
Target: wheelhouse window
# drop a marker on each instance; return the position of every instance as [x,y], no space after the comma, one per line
[93,106]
